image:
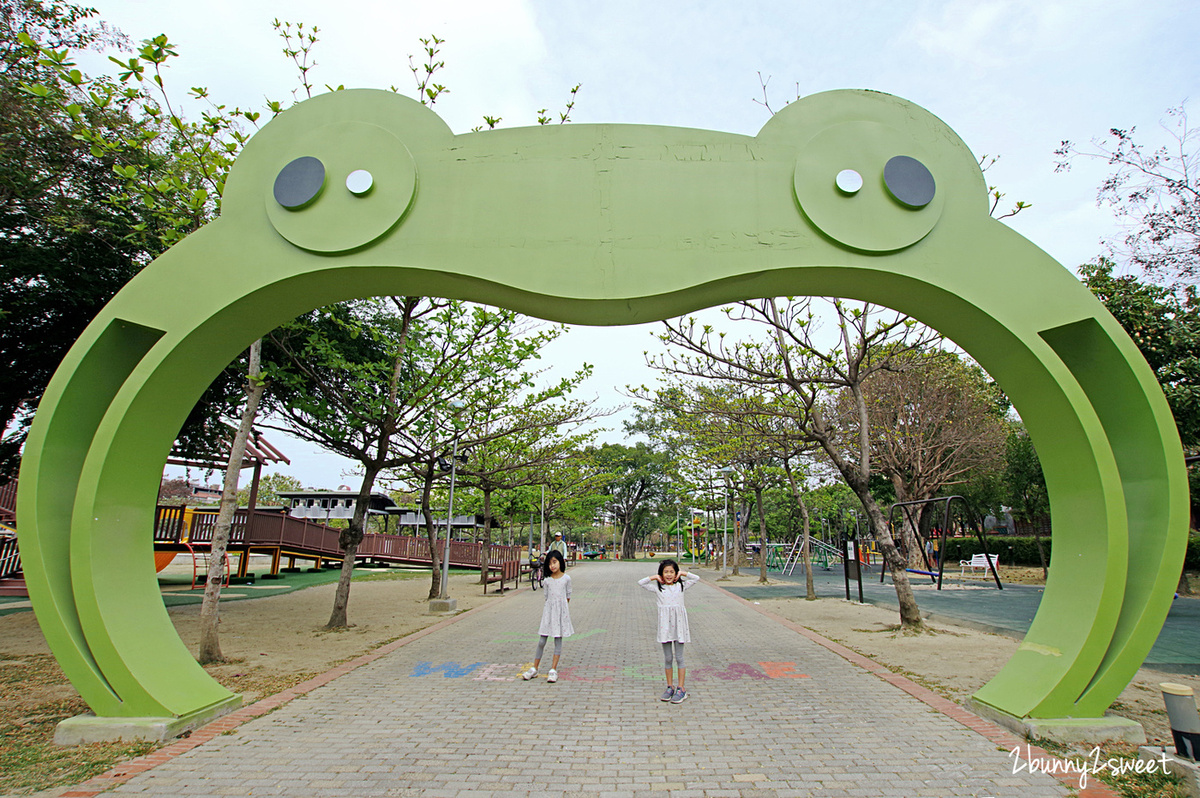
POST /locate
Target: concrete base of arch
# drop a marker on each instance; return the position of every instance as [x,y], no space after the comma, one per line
[1108,729]
[84,729]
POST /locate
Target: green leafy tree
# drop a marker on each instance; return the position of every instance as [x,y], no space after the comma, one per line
[514,440]
[269,488]
[636,486]
[71,231]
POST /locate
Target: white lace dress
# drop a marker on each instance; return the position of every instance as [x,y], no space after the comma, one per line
[672,614]
[556,614]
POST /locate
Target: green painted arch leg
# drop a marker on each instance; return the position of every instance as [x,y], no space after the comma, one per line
[852,194]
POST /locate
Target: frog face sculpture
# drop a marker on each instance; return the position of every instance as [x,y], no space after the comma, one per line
[356,193]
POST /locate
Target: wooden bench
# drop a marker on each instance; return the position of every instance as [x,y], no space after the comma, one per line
[502,573]
[527,569]
[979,561]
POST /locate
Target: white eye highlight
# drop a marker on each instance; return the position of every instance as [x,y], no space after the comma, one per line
[359,182]
[849,181]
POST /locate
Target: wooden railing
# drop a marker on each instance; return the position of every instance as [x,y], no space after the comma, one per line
[8,499]
[10,558]
[168,524]
[299,535]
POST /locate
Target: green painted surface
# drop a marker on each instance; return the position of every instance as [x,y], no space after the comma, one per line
[606,225]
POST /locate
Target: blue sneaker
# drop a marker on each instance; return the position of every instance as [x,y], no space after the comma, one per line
[679,697]
[667,694]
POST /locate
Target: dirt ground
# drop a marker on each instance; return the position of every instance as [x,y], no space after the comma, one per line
[276,642]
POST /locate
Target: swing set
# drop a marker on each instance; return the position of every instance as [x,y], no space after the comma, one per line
[936,576]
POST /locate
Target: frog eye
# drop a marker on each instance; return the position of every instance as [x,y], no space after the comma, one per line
[299,183]
[853,185]
[379,174]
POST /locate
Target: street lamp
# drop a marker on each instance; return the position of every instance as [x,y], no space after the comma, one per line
[725,471]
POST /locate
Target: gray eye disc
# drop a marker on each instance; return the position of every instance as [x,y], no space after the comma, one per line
[300,182]
[909,181]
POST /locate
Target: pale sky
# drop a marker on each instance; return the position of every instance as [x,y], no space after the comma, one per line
[1012,77]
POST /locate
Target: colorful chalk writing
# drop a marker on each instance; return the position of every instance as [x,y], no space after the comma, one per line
[509,671]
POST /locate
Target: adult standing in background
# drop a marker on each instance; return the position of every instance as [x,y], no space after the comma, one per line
[560,546]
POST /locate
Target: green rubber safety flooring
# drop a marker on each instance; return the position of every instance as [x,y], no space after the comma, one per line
[177,587]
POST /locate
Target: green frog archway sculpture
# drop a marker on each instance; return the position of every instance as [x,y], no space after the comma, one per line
[853,194]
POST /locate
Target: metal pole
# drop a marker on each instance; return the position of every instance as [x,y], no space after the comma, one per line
[725,533]
[449,520]
[543,527]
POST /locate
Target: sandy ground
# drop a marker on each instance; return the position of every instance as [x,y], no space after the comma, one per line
[276,642]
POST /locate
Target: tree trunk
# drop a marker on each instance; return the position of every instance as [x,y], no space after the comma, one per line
[485,549]
[762,536]
[628,548]
[348,540]
[806,554]
[909,542]
[435,560]
[210,644]
[910,615]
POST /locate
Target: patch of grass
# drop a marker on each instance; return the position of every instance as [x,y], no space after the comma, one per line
[254,683]
[29,759]
[390,575]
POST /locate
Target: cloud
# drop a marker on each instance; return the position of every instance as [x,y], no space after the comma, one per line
[996,34]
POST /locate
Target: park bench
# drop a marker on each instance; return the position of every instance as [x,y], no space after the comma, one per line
[527,568]
[502,573]
[979,561]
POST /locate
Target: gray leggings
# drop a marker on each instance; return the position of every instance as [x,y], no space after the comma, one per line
[678,654]
[542,647]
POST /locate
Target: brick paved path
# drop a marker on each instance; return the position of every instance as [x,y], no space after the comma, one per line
[771,714]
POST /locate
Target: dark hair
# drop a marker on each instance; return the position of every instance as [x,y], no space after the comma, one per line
[562,564]
[662,566]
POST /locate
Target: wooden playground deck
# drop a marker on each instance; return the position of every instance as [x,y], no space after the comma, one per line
[274,534]
[281,536]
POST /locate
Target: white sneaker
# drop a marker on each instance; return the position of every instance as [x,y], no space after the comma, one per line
[552,677]
[529,674]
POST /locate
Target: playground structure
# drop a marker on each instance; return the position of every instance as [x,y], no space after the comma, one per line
[279,536]
[989,561]
[605,225]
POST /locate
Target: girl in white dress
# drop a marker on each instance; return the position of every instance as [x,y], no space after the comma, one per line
[556,615]
[669,585]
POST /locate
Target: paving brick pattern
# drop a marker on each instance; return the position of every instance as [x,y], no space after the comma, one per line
[771,713]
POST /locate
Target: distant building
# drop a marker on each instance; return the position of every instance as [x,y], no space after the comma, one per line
[323,505]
